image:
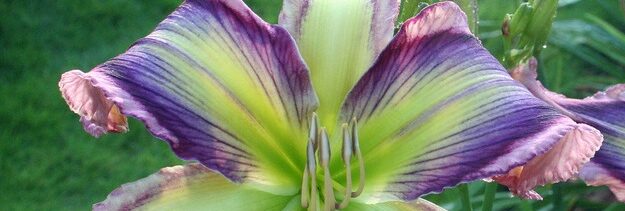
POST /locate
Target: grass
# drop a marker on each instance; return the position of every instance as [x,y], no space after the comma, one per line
[47,162]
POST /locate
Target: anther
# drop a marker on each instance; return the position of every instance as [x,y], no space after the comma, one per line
[314,129]
[328,189]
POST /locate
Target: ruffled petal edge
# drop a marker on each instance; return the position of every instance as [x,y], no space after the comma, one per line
[561,163]
[98,114]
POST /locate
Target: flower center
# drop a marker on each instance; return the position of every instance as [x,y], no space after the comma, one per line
[318,152]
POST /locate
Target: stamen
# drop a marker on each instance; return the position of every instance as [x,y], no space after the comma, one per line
[361,162]
[328,189]
[305,192]
[347,159]
[312,171]
[311,165]
[318,140]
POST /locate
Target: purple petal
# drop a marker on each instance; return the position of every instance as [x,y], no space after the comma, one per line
[188,187]
[436,109]
[194,187]
[604,111]
[217,83]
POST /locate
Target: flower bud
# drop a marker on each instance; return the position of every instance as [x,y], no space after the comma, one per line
[542,17]
[521,19]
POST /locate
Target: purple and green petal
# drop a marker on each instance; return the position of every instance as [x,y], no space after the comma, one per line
[195,187]
[436,109]
[604,111]
[189,187]
[339,41]
[217,83]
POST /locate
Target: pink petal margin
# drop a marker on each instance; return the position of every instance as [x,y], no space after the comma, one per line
[135,194]
[98,114]
[595,175]
[561,163]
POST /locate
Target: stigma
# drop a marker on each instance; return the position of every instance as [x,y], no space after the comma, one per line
[318,154]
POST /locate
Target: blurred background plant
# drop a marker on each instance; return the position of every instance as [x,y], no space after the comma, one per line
[47,162]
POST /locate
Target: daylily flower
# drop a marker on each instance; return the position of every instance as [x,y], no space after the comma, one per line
[605,111]
[327,110]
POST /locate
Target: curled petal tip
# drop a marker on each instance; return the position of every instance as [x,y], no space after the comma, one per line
[604,111]
[98,114]
[561,163]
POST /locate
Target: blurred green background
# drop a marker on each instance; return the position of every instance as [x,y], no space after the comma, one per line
[47,162]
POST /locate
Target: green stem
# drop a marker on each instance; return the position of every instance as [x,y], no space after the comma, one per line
[464,197]
[557,197]
[489,196]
